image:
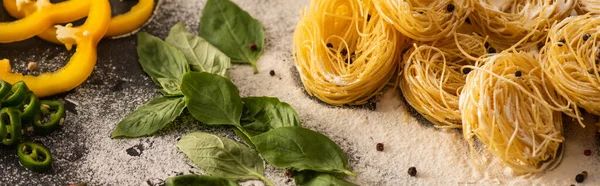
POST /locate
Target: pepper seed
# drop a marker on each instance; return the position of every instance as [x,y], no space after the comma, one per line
[379,147]
[329,45]
[466,70]
[412,171]
[586,37]
[518,73]
[450,8]
[579,178]
[492,50]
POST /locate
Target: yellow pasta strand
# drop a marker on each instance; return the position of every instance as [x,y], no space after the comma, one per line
[433,77]
[588,6]
[510,108]
[424,20]
[344,51]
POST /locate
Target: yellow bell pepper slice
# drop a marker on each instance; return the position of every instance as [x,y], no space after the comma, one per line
[80,65]
[120,25]
[45,15]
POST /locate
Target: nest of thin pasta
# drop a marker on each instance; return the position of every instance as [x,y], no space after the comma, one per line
[433,76]
[508,22]
[509,107]
[424,20]
[571,60]
[345,52]
[588,6]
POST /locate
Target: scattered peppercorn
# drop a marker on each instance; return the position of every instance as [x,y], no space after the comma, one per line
[518,73]
[586,37]
[450,8]
[466,70]
[253,47]
[561,42]
[579,178]
[368,17]
[492,50]
[412,171]
[289,173]
[379,146]
[272,73]
[486,44]
[468,20]
[585,174]
[344,52]
[587,152]
[329,45]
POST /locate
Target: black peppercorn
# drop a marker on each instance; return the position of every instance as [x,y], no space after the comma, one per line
[379,146]
[253,47]
[329,45]
[450,8]
[492,50]
[412,171]
[272,72]
[579,178]
[344,52]
[466,70]
[289,173]
[518,73]
[486,45]
[586,37]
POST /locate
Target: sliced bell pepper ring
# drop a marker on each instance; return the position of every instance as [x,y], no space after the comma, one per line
[119,25]
[4,89]
[56,120]
[30,108]
[81,63]
[45,15]
[18,93]
[34,156]
[11,119]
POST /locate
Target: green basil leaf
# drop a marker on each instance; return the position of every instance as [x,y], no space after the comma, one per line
[170,86]
[212,99]
[262,114]
[312,178]
[200,54]
[232,30]
[160,60]
[150,118]
[222,157]
[197,180]
[301,149]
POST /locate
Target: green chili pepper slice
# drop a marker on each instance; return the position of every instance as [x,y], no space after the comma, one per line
[55,120]
[30,108]
[11,120]
[34,156]
[18,93]
[4,88]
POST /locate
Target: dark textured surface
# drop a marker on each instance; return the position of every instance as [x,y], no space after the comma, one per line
[68,144]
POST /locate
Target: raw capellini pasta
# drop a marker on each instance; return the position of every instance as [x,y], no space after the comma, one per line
[424,20]
[588,6]
[344,51]
[509,21]
[571,60]
[509,107]
[433,77]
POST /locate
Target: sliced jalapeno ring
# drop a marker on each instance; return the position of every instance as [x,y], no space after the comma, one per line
[17,94]
[4,88]
[11,119]
[45,125]
[30,107]
[34,156]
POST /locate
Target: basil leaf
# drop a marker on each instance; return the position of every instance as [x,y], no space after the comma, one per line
[232,30]
[200,54]
[160,60]
[170,86]
[262,114]
[301,149]
[222,157]
[197,180]
[312,178]
[150,118]
[212,99]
